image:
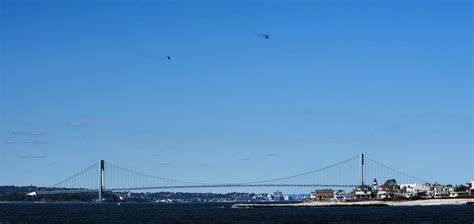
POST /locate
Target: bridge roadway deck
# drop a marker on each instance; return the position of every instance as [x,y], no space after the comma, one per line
[196,186]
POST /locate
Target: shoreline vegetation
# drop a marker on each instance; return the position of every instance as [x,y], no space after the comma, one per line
[424,202]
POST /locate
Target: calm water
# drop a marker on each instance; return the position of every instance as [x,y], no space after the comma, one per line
[216,213]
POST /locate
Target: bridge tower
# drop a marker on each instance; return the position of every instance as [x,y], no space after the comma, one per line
[361,157]
[101,179]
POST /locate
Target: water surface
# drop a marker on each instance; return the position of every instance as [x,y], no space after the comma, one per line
[218,213]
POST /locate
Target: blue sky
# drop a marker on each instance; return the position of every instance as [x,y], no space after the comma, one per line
[88,80]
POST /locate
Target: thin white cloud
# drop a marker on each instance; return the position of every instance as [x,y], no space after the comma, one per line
[27,133]
[37,142]
[76,124]
[33,157]
[9,142]
[25,142]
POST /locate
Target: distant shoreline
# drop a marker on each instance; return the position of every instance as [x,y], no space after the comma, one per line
[426,202]
[46,202]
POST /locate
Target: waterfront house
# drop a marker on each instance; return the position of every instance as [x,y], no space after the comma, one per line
[471,190]
[342,195]
[440,191]
[415,190]
[382,192]
[460,191]
[322,195]
[362,192]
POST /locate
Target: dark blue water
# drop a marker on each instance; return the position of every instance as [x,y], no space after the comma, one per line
[217,213]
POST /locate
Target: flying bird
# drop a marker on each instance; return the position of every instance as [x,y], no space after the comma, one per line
[266,35]
[168,57]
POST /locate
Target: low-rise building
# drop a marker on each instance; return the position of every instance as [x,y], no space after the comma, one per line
[362,192]
[382,193]
[415,190]
[342,195]
[278,196]
[440,191]
[471,190]
[322,195]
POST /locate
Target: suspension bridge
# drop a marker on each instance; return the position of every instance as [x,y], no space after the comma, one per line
[106,177]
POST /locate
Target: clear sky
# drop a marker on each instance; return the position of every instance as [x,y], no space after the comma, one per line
[88,80]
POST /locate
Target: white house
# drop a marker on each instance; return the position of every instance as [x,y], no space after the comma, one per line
[413,190]
[342,195]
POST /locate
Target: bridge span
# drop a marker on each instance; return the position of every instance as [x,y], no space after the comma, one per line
[106,177]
